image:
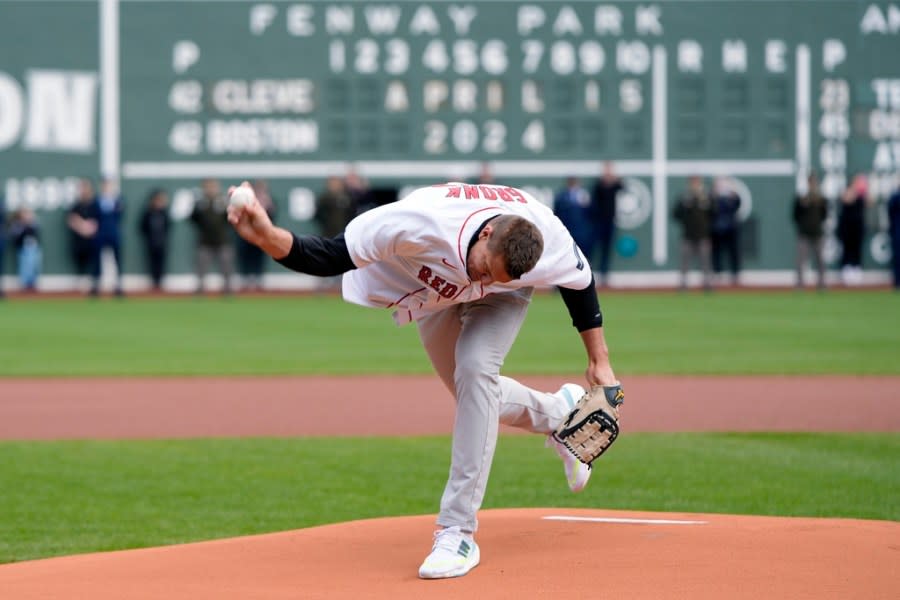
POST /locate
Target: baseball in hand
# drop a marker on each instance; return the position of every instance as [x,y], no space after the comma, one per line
[241,196]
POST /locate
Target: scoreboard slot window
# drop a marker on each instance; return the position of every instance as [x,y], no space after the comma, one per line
[562,94]
[337,95]
[368,136]
[776,136]
[398,136]
[690,94]
[338,135]
[778,115]
[776,94]
[691,134]
[561,135]
[370,95]
[594,135]
[735,94]
[634,136]
[735,135]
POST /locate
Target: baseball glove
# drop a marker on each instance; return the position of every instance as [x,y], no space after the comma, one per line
[593,425]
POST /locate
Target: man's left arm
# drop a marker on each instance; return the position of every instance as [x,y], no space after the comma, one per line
[593,424]
[584,308]
[599,370]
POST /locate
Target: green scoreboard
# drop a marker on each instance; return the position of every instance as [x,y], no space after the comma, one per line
[164,93]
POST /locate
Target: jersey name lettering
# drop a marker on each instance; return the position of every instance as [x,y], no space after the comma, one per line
[439,284]
[485,192]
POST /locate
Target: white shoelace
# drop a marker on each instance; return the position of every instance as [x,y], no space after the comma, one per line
[448,539]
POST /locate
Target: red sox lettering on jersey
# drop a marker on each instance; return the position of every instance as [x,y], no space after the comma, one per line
[411,254]
[439,284]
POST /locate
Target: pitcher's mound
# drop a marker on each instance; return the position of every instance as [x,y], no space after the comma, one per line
[526,553]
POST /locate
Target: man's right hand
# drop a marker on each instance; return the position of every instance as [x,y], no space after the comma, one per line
[252,222]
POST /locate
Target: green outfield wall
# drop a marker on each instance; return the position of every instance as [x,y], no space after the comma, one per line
[162,93]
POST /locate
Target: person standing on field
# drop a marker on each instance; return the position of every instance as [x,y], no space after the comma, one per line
[694,210]
[851,229]
[809,215]
[82,219]
[110,207]
[335,207]
[154,226]
[893,207]
[603,209]
[572,205]
[213,242]
[461,261]
[24,232]
[725,229]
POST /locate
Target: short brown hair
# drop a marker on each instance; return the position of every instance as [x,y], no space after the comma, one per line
[518,241]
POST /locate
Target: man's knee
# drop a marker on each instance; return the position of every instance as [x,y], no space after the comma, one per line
[473,370]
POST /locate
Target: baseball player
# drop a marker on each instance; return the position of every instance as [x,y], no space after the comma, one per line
[461,261]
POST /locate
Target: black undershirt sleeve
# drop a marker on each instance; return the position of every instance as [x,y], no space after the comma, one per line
[584,308]
[326,257]
[317,255]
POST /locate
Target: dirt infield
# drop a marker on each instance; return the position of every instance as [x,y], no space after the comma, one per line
[575,553]
[304,406]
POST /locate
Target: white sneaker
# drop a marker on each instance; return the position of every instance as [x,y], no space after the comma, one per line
[454,554]
[577,473]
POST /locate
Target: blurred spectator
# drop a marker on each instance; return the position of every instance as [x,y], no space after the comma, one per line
[725,232]
[82,222]
[894,230]
[25,236]
[809,214]
[485,176]
[251,259]
[335,207]
[572,205]
[603,207]
[213,234]
[109,219]
[154,227]
[693,209]
[851,229]
[360,192]
[2,240]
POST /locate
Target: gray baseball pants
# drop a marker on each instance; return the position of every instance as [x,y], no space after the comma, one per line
[467,344]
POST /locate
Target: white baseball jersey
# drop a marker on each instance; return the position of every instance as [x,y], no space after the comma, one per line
[411,254]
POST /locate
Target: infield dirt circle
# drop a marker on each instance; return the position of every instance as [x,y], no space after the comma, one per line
[526,553]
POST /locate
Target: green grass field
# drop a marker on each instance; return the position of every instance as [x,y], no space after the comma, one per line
[664,333]
[78,496]
[70,497]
